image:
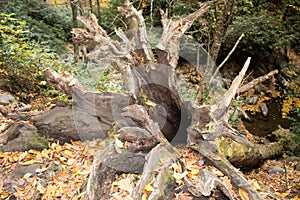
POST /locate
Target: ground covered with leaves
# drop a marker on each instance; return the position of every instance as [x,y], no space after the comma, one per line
[62,171]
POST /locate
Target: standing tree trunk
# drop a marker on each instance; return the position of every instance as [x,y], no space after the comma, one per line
[74,8]
[222,16]
[99,10]
[91,5]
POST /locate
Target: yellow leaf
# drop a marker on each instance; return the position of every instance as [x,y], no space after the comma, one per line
[76,173]
[29,162]
[14,158]
[148,188]
[144,197]
[33,151]
[243,194]
[27,175]
[144,4]
[150,103]
[2,155]
[296,197]
[4,195]
[285,194]
[194,172]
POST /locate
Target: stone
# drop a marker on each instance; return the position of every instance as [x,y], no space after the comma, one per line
[264,109]
[275,170]
[20,171]
[252,100]
[3,110]
[6,99]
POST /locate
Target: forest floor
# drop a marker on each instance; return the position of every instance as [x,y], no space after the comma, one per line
[61,171]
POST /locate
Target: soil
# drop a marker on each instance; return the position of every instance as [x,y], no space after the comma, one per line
[263,126]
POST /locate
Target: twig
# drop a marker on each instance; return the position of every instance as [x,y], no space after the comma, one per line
[228,56]
[256,81]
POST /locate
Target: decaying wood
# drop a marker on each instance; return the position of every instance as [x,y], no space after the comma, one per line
[256,81]
[63,81]
[223,106]
[158,84]
[127,118]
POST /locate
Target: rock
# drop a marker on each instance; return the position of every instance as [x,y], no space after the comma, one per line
[258,89]
[20,107]
[18,116]
[18,128]
[264,109]
[6,99]
[252,100]
[3,110]
[1,116]
[275,170]
[20,171]
[293,161]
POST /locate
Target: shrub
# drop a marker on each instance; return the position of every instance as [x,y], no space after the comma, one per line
[22,60]
[48,24]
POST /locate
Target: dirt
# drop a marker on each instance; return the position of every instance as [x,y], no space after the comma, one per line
[263,126]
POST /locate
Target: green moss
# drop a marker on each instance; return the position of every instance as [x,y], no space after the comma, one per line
[230,148]
[38,142]
[168,178]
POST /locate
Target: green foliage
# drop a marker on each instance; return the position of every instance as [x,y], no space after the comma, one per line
[294,147]
[49,25]
[268,28]
[22,60]
[110,17]
[295,128]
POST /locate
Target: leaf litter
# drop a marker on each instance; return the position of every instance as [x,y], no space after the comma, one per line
[62,171]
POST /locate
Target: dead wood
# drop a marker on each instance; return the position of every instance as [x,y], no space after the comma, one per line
[157,83]
[62,81]
[146,130]
[256,81]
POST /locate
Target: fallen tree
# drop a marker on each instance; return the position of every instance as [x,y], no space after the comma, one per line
[150,114]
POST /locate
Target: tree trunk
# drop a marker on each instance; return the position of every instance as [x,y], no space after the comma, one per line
[75,24]
[223,17]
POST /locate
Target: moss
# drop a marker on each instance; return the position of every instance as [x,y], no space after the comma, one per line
[38,142]
[230,148]
[168,178]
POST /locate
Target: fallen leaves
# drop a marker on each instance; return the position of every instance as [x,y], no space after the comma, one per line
[122,188]
[62,170]
[276,184]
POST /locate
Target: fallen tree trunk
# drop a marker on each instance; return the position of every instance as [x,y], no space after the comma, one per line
[157,82]
[149,115]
